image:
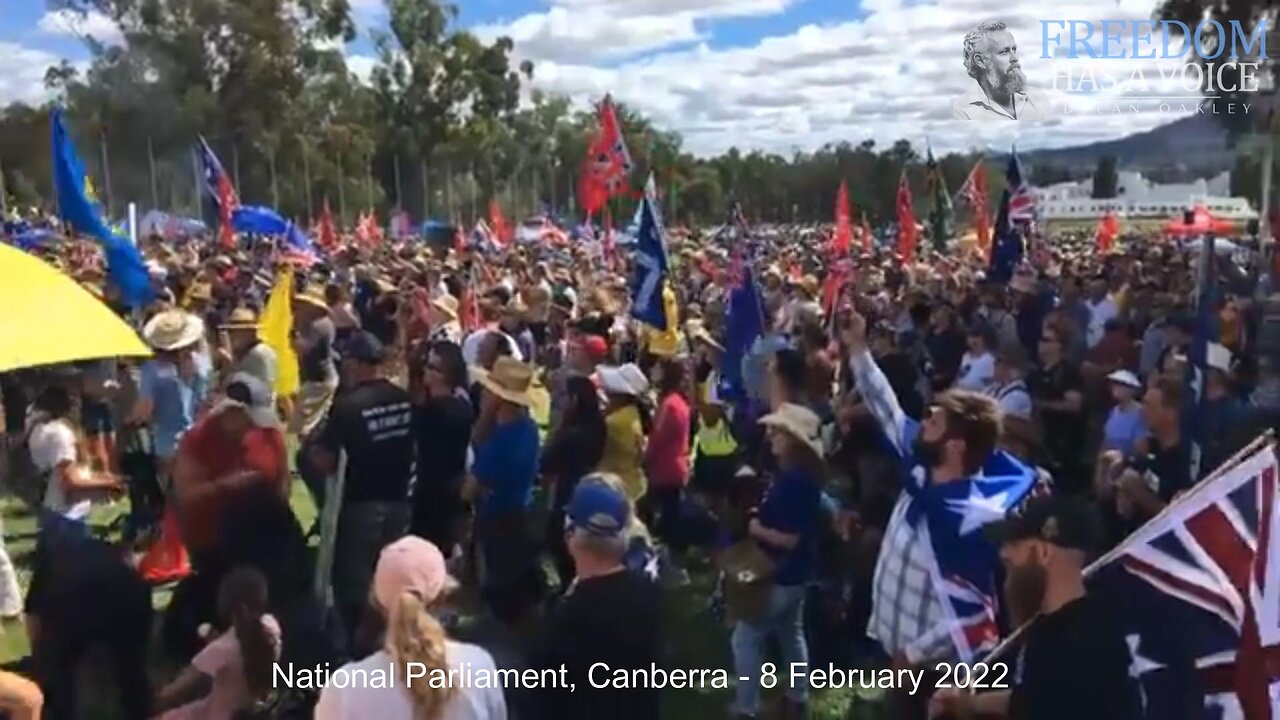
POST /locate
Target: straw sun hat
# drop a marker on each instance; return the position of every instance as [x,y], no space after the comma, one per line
[312,297]
[242,318]
[509,379]
[447,305]
[173,330]
[797,421]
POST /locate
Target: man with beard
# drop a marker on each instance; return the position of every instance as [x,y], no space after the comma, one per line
[991,58]
[1073,661]
[953,482]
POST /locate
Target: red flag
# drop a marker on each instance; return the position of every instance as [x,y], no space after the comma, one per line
[974,192]
[498,223]
[367,230]
[608,163]
[906,221]
[468,307]
[326,234]
[844,231]
[1107,230]
[866,235]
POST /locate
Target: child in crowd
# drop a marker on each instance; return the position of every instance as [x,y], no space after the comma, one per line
[233,672]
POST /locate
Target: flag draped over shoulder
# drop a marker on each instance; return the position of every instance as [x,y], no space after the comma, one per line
[940,203]
[608,162]
[906,221]
[1196,595]
[651,270]
[277,322]
[78,206]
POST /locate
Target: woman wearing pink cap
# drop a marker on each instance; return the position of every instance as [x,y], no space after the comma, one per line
[410,582]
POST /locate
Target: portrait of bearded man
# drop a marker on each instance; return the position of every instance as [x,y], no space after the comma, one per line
[991,59]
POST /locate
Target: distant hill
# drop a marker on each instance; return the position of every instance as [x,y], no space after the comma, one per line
[1194,146]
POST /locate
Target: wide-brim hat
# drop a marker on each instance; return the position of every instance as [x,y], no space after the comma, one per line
[701,335]
[509,379]
[313,298]
[623,380]
[448,305]
[173,330]
[242,318]
[798,421]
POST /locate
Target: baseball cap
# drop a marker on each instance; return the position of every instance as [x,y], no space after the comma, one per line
[597,509]
[1066,522]
[248,393]
[1125,377]
[414,565]
[364,347]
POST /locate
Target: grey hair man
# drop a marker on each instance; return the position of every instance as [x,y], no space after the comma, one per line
[991,59]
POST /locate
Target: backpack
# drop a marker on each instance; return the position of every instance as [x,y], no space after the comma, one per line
[22,478]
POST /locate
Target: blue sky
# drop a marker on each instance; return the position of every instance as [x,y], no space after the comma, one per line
[779,75]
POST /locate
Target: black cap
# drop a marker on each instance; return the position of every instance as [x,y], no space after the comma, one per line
[1066,522]
[364,347]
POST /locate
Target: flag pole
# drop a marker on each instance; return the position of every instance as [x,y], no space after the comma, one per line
[342,193]
[426,190]
[306,179]
[275,186]
[395,159]
[106,174]
[1246,452]
[4,194]
[195,172]
[151,169]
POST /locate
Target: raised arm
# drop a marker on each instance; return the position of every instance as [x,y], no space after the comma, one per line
[876,391]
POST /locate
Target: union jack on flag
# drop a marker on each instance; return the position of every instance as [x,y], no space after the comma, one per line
[220,190]
[1022,202]
[1198,591]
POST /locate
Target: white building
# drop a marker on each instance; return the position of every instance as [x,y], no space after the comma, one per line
[1138,197]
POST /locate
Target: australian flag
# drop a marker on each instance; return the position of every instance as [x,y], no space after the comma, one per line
[1017,208]
[1198,594]
[221,192]
[650,275]
[1197,360]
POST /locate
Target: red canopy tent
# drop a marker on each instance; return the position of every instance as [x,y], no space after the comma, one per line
[1202,223]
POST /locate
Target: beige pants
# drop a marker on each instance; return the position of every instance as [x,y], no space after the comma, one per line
[310,406]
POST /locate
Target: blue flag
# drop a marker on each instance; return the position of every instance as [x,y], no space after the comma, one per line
[78,207]
[651,270]
[744,322]
[1017,205]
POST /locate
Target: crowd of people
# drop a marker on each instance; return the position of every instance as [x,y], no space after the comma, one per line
[512,445]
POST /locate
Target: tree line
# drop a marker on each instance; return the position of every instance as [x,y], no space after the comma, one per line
[437,131]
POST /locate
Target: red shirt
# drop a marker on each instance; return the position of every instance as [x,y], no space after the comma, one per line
[666,457]
[261,449]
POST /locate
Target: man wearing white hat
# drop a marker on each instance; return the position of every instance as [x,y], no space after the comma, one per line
[172,385]
[1221,409]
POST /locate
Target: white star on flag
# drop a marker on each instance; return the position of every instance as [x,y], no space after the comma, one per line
[978,509]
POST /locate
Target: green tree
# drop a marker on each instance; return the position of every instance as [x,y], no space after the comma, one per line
[1106,178]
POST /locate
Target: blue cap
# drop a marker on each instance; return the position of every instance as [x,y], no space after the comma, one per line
[364,347]
[597,509]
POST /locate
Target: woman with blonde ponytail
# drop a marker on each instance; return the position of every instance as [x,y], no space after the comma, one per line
[409,584]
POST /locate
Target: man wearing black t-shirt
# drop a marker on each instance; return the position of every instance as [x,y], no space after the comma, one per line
[1138,487]
[1057,391]
[1074,662]
[609,615]
[371,422]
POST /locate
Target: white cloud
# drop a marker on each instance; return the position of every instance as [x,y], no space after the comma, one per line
[362,66]
[890,74]
[23,80]
[91,24]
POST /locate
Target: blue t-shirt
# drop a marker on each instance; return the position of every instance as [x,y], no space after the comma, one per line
[174,401]
[1124,429]
[506,465]
[792,505]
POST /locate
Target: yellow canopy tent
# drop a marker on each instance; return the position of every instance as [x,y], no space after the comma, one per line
[47,318]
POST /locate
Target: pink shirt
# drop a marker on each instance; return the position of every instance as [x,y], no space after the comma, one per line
[220,660]
[666,457]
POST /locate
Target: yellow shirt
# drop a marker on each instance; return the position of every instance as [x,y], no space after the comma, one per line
[624,449]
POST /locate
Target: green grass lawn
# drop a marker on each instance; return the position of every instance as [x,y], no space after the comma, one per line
[696,640]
